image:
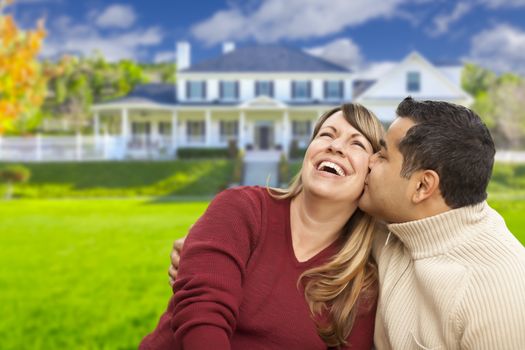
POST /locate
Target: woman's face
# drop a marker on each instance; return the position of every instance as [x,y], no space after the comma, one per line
[336,161]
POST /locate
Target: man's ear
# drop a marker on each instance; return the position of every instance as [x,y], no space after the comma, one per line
[427,183]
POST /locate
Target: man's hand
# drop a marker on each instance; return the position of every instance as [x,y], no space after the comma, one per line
[175,258]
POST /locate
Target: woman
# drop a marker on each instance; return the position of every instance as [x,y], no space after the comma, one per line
[284,269]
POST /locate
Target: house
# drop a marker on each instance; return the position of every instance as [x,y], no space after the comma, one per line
[262,97]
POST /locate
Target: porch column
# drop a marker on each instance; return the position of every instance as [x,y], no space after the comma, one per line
[174,130]
[96,129]
[124,127]
[154,132]
[242,124]
[286,133]
[208,127]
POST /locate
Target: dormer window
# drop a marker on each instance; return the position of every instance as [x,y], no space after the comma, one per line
[301,90]
[196,90]
[333,90]
[264,88]
[413,81]
[229,90]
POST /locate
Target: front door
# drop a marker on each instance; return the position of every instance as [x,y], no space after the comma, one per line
[264,136]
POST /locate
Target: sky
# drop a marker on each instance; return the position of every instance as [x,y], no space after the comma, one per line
[364,35]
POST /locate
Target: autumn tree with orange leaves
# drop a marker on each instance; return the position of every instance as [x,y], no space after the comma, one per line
[22,81]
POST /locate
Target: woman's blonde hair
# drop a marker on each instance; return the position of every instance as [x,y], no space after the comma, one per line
[334,291]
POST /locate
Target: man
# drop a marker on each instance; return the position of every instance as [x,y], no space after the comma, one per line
[451,274]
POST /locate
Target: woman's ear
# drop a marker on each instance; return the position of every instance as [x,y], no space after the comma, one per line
[427,184]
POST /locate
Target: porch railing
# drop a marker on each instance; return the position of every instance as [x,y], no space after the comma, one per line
[41,148]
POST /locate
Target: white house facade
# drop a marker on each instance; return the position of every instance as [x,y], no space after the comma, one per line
[263,97]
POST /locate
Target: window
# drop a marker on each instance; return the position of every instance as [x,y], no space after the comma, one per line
[264,88]
[196,90]
[165,128]
[413,82]
[196,131]
[301,90]
[140,128]
[229,90]
[333,90]
[228,130]
[301,129]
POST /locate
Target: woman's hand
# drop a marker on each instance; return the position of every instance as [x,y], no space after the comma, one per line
[175,258]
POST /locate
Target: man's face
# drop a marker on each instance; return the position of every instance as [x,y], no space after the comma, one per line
[387,194]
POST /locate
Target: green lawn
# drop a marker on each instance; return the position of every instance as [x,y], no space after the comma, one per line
[85,274]
[92,274]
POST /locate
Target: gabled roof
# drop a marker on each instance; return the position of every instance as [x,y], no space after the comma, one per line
[266,58]
[163,94]
[456,92]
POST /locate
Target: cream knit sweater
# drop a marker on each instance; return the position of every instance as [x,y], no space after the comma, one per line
[451,281]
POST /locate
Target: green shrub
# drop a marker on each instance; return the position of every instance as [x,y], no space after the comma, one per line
[203,153]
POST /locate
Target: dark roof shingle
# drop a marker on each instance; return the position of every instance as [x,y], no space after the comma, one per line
[266,58]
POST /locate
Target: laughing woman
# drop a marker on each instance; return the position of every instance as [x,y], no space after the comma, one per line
[284,269]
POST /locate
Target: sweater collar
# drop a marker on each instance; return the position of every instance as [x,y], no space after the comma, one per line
[438,234]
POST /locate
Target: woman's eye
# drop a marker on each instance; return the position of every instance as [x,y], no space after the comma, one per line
[325,134]
[359,144]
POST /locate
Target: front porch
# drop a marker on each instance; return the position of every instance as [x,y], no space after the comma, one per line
[158,132]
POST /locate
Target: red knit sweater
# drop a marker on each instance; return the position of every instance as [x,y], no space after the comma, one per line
[237,283]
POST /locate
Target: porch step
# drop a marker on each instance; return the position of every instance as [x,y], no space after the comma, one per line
[261,173]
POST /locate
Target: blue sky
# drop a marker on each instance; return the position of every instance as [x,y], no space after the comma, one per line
[363,34]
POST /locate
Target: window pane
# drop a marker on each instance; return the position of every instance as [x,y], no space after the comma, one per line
[195,131]
[301,129]
[301,89]
[263,88]
[165,128]
[413,81]
[228,130]
[228,90]
[196,89]
[333,89]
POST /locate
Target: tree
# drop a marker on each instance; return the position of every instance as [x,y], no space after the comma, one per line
[84,81]
[22,80]
[500,102]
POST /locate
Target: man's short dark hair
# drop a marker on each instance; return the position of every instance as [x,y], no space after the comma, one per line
[453,141]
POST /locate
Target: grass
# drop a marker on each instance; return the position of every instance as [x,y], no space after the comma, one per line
[126,179]
[91,274]
[86,274]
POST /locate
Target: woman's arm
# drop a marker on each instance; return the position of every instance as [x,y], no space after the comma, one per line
[209,285]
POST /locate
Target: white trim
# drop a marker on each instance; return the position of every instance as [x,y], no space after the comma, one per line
[264,76]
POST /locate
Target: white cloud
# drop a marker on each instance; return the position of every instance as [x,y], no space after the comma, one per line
[164,56]
[116,16]
[69,36]
[343,52]
[443,21]
[276,20]
[501,48]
